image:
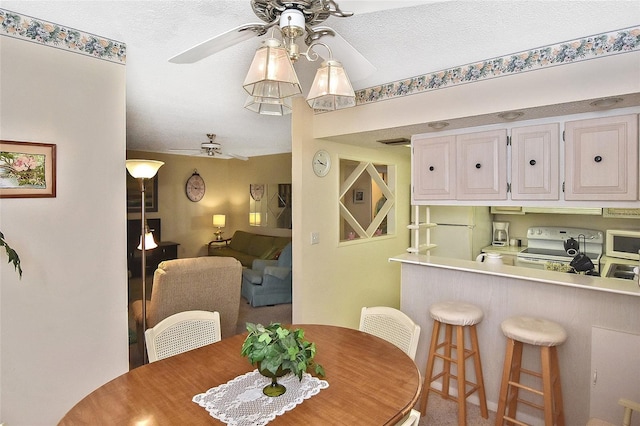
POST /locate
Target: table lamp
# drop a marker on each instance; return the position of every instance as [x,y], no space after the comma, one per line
[219,220]
[141,170]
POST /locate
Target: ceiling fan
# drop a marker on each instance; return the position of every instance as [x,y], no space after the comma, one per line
[211,149]
[296,18]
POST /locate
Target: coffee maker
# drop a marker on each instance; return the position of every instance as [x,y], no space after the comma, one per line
[500,234]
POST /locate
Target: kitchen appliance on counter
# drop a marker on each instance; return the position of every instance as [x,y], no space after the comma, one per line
[500,234]
[562,249]
[461,231]
[622,254]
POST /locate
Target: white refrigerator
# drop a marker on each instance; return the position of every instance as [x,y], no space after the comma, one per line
[461,232]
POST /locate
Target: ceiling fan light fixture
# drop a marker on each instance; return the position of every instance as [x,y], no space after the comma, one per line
[271,74]
[331,88]
[268,106]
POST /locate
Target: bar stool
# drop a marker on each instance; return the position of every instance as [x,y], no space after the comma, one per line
[546,335]
[460,316]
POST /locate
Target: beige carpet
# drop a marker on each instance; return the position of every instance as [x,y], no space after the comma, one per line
[443,412]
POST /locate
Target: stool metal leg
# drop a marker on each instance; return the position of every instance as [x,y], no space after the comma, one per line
[426,387]
[478,369]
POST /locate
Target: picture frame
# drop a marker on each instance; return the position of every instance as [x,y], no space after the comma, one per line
[27,169]
[134,196]
[358,196]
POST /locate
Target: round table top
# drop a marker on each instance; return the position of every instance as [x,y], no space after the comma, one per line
[370,381]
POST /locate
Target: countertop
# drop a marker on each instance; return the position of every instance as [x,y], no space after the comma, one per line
[610,285]
[510,250]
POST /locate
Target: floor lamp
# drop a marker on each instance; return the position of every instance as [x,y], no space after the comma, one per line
[141,170]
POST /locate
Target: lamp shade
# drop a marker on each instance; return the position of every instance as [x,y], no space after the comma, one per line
[271,74]
[149,241]
[331,88]
[268,106]
[143,169]
[219,220]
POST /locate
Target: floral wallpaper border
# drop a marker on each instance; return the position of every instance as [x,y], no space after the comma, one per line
[611,43]
[38,31]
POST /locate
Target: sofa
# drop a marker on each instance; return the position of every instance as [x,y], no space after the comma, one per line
[268,282]
[247,247]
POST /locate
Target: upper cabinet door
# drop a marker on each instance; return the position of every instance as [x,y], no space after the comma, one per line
[434,173]
[601,159]
[535,162]
[482,166]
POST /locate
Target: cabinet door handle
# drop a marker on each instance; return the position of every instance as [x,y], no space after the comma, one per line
[532,162]
[478,165]
[431,168]
[597,159]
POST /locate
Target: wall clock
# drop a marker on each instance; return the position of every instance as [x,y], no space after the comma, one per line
[321,163]
[195,187]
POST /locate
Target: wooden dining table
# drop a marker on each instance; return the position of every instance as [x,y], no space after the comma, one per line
[371,382]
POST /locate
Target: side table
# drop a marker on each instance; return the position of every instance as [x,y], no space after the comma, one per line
[217,244]
[166,250]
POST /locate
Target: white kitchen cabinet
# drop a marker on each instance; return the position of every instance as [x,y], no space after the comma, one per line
[434,171]
[535,164]
[481,165]
[601,159]
[463,167]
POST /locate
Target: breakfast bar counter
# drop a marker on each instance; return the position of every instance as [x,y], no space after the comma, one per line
[579,303]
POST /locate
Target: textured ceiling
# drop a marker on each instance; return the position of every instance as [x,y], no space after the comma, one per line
[172,106]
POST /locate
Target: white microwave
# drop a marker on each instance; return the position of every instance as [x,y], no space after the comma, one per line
[623,244]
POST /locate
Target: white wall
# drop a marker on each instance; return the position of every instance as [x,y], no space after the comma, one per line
[64,325]
[332,282]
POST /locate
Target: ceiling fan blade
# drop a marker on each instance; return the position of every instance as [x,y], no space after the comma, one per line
[357,66]
[219,43]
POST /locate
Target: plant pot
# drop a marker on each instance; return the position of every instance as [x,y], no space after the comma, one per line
[274,388]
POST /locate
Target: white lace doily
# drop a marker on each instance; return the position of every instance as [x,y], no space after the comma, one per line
[240,402]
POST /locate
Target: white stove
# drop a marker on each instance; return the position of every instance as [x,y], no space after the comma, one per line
[546,248]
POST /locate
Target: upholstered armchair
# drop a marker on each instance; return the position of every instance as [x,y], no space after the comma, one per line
[268,282]
[200,283]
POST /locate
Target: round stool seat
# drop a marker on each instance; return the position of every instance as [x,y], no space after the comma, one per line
[534,331]
[456,313]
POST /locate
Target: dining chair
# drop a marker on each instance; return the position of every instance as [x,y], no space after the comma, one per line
[397,328]
[392,325]
[412,419]
[182,332]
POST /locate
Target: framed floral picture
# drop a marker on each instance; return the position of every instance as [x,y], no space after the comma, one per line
[27,169]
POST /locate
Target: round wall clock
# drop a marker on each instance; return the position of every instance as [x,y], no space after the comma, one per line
[195,187]
[321,163]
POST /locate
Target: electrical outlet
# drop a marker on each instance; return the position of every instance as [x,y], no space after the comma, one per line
[315,238]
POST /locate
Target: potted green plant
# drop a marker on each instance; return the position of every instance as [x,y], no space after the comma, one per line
[11,254]
[276,350]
